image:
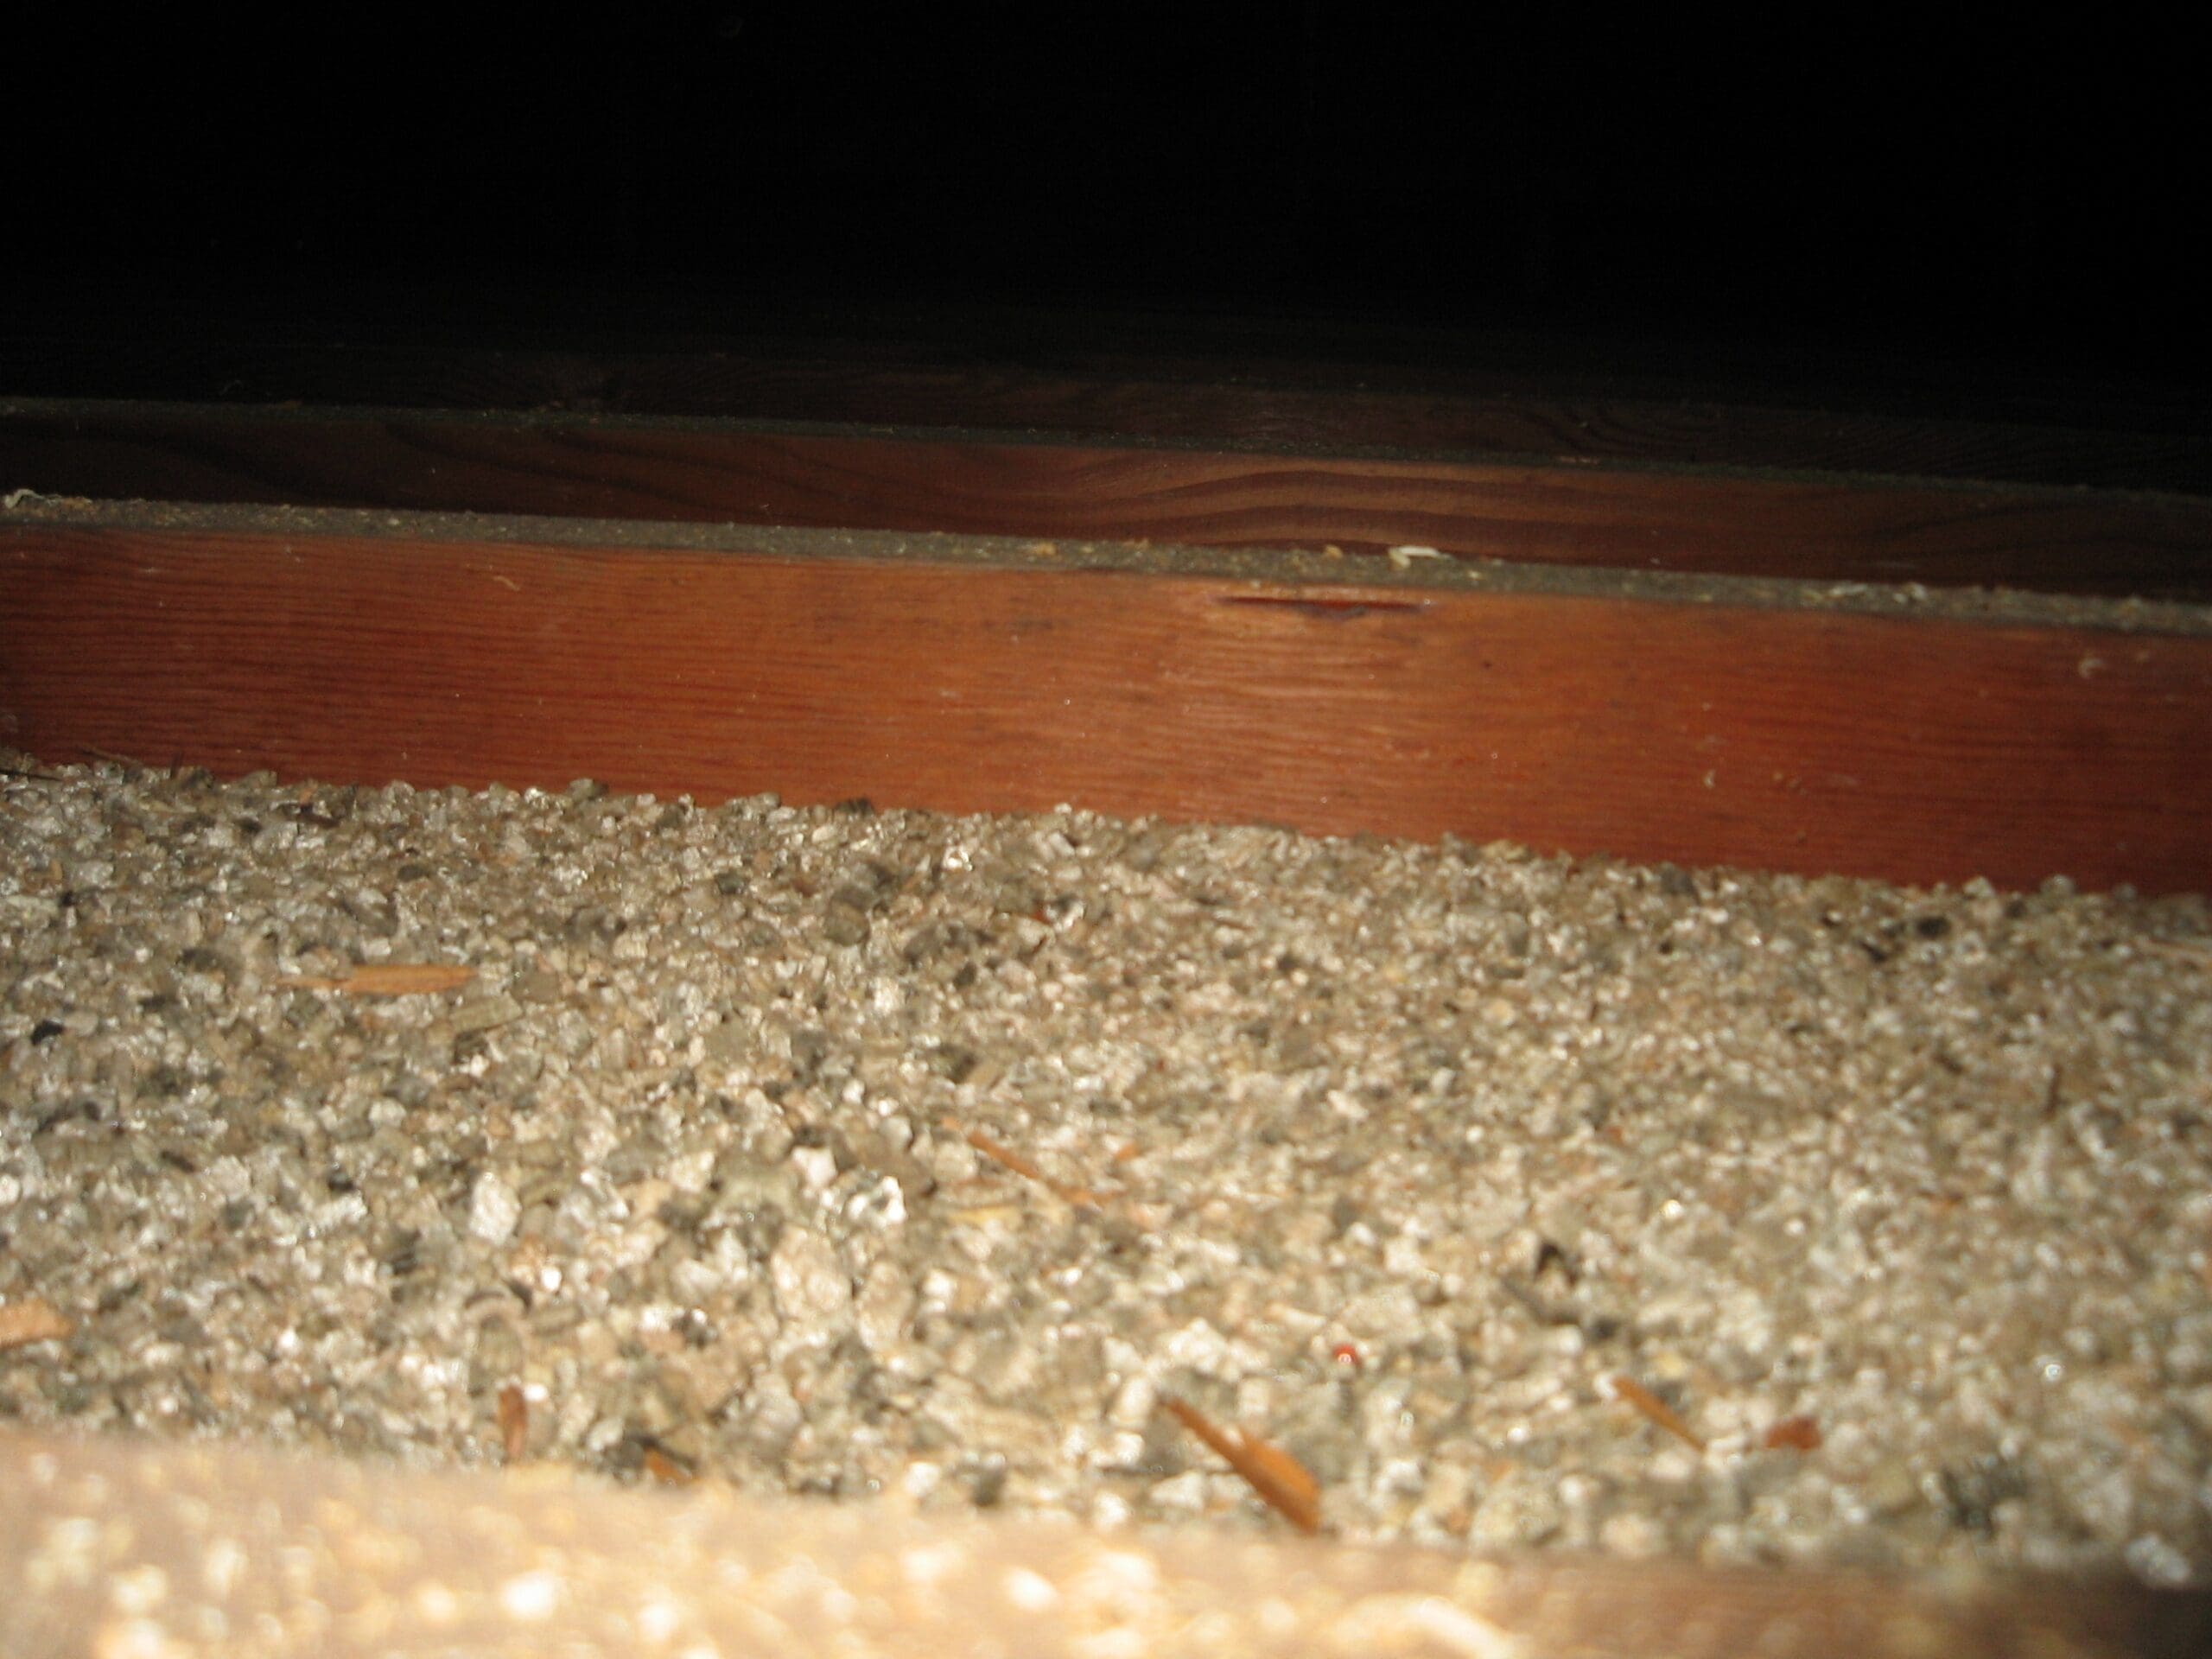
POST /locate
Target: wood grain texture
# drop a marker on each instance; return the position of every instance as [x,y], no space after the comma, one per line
[1707,733]
[1234,393]
[2057,541]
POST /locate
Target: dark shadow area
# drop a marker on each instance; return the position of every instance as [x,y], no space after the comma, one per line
[1883,214]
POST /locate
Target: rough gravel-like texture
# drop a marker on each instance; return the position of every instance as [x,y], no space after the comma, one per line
[834,1151]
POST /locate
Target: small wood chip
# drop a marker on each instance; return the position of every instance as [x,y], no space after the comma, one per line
[666,1470]
[1081,1196]
[1280,1480]
[1794,1434]
[514,1424]
[387,979]
[33,1320]
[1625,1388]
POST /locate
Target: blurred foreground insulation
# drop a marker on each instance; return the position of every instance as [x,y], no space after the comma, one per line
[115,1548]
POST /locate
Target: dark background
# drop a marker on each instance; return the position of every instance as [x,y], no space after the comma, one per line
[2027,201]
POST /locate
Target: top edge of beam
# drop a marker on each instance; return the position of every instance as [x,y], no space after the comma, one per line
[1414,571]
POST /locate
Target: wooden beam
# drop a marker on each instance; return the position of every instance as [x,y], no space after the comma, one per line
[1705,723]
[1369,391]
[1706,521]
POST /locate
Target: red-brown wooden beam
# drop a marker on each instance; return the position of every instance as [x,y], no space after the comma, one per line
[1214,385]
[1699,722]
[1824,528]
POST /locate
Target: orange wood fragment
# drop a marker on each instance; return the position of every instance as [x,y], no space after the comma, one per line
[386,979]
[1081,1197]
[666,1470]
[514,1424]
[1281,1481]
[32,1319]
[1622,1387]
[1794,1434]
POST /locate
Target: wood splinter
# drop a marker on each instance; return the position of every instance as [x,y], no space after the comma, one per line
[32,1319]
[514,1424]
[1281,1481]
[1081,1196]
[1625,1388]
